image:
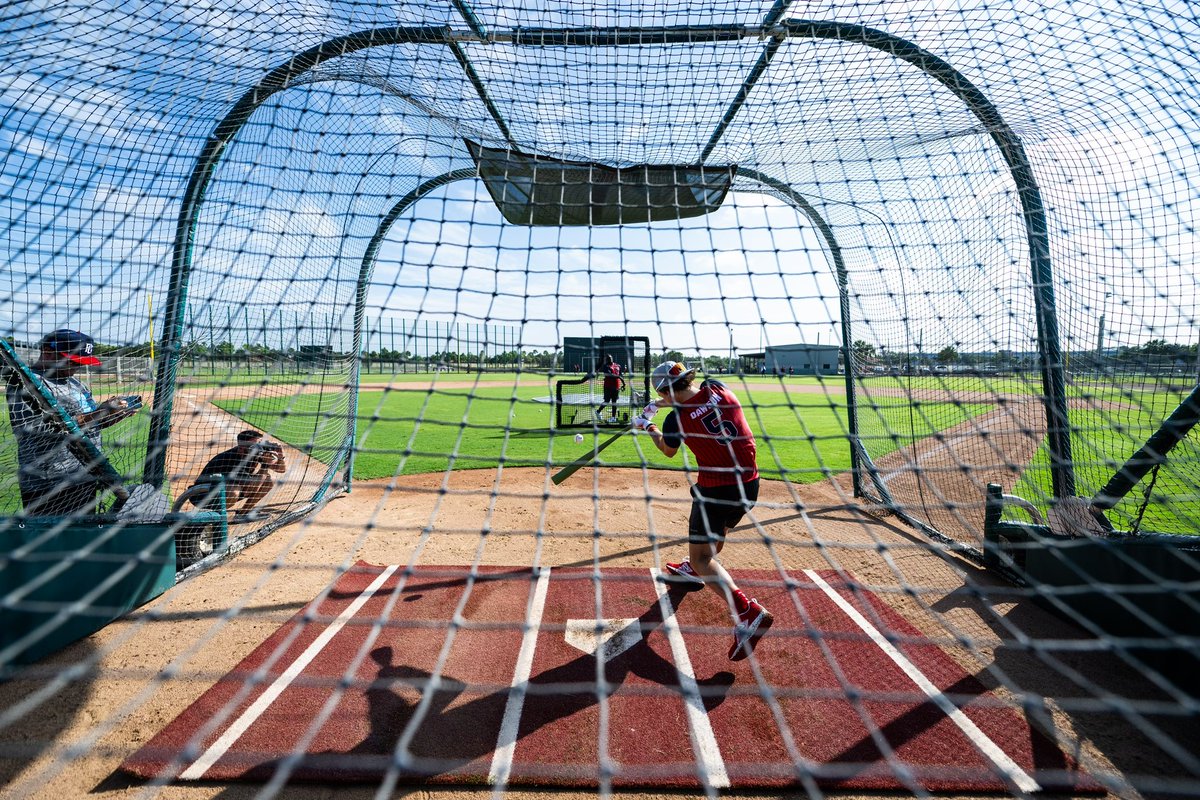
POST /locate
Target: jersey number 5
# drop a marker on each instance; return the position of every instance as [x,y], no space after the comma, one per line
[722,429]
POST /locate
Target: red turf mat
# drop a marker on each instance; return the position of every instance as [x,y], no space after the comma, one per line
[413,674]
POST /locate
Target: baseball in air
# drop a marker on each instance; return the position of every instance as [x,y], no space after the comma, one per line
[579,438]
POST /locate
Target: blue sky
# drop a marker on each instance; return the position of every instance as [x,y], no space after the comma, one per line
[108,104]
[752,272]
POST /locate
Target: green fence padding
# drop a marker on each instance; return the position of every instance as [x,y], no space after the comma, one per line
[1144,587]
[61,580]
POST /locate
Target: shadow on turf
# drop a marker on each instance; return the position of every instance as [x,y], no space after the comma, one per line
[423,583]
[31,734]
[451,728]
[1051,662]
[1028,662]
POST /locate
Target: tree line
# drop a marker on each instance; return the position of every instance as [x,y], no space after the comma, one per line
[1158,350]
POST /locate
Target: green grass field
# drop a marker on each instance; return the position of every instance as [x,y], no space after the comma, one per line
[801,434]
[1100,443]
[801,437]
[201,378]
[1030,384]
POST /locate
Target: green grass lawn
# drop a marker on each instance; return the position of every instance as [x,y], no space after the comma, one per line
[1118,388]
[1101,441]
[801,437]
[1022,384]
[202,377]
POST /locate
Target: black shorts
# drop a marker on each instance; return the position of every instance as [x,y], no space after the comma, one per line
[209,500]
[612,395]
[718,508]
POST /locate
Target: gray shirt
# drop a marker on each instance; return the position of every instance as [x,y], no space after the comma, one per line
[43,453]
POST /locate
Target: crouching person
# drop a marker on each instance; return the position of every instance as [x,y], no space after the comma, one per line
[246,470]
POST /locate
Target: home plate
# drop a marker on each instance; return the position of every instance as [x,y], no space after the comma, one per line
[610,637]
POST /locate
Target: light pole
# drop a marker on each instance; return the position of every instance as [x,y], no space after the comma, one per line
[1008,333]
[1100,333]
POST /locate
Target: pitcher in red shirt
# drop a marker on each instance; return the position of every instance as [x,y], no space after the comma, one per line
[708,419]
[614,384]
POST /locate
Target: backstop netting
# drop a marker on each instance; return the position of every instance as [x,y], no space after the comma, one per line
[932,268]
[604,396]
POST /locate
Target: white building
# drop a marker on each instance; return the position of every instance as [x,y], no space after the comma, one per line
[802,359]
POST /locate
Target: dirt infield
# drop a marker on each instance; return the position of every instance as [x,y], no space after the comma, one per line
[942,479]
[144,670]
[201,430]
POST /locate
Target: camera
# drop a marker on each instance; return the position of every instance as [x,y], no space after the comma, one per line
[267,448]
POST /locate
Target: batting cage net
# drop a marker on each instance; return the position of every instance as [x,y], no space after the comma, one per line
[615,389]
[317,471]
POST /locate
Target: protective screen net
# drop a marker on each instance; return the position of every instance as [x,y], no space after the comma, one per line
[615,385]
[925,275]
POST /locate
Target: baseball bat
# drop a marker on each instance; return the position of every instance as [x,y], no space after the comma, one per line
[583,461]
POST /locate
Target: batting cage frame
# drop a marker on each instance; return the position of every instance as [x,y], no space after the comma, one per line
[580,402]
[303,66]
[871,480]
[1023,461]
[948,513]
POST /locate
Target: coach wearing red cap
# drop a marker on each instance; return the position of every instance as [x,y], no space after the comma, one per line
[53,481]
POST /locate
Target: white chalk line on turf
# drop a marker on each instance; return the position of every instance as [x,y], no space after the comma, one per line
[704,741]
[990,750]
[256,709]
[507,740]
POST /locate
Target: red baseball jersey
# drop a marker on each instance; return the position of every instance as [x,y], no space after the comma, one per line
[714,428]
[612,376]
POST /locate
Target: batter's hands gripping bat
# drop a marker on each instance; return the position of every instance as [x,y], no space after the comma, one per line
[583,461]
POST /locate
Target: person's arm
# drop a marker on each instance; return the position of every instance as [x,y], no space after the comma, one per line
[659,440]
[100,418]
[274,462]
[107,414]
[668,442]
[26,418]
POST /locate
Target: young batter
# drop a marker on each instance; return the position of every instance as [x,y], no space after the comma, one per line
[708,419]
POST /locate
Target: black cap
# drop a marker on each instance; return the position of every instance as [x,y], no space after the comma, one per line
[71,345]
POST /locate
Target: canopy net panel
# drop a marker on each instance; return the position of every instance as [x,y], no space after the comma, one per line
[909,258]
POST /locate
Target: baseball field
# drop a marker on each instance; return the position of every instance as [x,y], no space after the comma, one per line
[381,641]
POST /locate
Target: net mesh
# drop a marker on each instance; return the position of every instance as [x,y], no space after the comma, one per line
[949,285]
[615,387]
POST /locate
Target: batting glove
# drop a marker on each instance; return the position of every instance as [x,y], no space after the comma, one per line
[640,423]
[649,411]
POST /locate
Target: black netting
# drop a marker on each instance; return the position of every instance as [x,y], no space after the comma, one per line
[361,266]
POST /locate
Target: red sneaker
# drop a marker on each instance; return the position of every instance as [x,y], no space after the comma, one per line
[751,625]
[684,574]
